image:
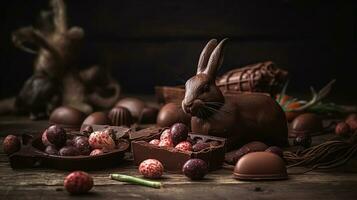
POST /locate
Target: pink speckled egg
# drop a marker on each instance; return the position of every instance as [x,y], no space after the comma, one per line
[184,146]
[165,134]
[151,168]
[101,140]
[166,143]
[155,142]
[78,182]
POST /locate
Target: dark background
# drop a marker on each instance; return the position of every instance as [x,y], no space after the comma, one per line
[157,42]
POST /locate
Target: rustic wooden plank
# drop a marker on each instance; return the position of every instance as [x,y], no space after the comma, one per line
[256,190]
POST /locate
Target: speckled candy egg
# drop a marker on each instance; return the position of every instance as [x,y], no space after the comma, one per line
[165,134]
[195,169]
[166,143]
[151,168]
[184,146]
[101,140]
[78,182]
[11,144]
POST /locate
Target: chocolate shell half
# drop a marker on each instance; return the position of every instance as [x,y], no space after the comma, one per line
[260,166]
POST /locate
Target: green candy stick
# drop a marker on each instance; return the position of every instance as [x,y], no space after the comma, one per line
[135,180]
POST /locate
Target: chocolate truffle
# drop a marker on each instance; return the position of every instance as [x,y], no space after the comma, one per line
[134,105]
[260,166]
[67,117]
[170,114]
[120,116]
[98,118]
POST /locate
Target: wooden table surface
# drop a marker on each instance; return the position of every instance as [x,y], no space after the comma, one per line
[48,183]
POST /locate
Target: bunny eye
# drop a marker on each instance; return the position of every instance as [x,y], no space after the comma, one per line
[205,88]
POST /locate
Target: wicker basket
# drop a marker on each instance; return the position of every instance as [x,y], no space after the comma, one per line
[261,77]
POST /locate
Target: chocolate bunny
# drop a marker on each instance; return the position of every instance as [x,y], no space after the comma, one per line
[240,118]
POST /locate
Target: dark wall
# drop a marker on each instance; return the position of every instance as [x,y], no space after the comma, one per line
[155,42]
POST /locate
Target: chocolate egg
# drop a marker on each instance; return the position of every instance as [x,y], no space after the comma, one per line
[134,105]
[260,166]
[148,115]
[307,123]
[170,114]
[67,117]
[98,118]
[120,116]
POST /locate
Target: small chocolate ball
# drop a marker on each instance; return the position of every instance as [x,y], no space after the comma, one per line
[276,150]
[120,116]
[303,140]
[78,182]
[69,151]
[342,129]
[82,144]
[195,169]
[52,150]
[179,133]
[11,144]
[56,135]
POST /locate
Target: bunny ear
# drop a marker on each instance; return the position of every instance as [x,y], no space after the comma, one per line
[216,59]
[206,52]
